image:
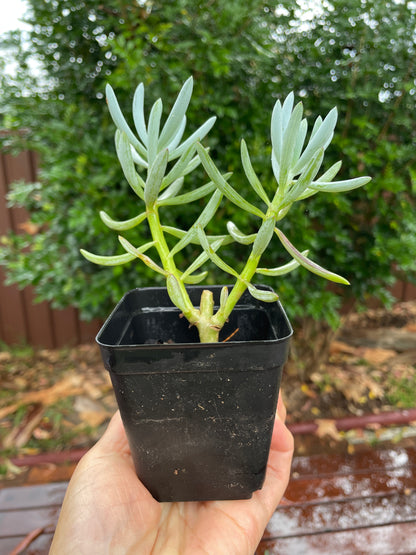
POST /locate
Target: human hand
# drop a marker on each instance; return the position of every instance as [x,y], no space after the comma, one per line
[108,511]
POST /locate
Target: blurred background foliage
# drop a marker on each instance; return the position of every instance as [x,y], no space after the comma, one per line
[356,54]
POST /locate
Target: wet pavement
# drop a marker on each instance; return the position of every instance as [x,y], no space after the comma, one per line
[360,503]
[363,503]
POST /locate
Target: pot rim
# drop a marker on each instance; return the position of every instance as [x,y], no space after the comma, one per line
[188,345]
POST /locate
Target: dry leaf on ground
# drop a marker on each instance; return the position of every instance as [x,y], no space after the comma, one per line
[327,427]
[68,386]
[91,412]
[378,356]
[20,434]
[341,347]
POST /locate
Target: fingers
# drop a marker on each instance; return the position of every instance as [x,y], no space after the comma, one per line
[282,439]
[114,438]
[281,409]
[278,467]
[281,454]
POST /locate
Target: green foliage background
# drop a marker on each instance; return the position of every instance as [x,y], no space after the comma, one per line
[356,54]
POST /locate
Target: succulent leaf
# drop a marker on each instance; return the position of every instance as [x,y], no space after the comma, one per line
[340,186]
[120,121]
[321,138]
[239,236]
[275,167]
[175,292]
[261,295]
[251,175]
[187,197]
[128,247]
[137,159]
[281,270]
[115,260]
[225,187]
[331,172]
[153,131]
[309,264]
[126,161]
[276,128]
[285,157]
[172,190]
[179,167]
[177,113]
[194,279]
[223,296]
[138,113]
[287,109]
[306,177]
[177,138]
[154,177]
[263,237]
[202,221]
[212,255]
[316,126]
[199,134]
[300,140]
[124,224]
[210,209]
[202,258]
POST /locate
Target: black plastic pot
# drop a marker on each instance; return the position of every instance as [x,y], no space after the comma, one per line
[198,417]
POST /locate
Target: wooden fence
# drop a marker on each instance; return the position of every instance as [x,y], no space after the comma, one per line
[22,320]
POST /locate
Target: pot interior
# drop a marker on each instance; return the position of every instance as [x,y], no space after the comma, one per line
[146,327]
[147,317]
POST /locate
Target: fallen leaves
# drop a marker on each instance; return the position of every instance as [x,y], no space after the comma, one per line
[337,347]
[371,367]
[355,382]
[5,357]
[90,411]
[378,355]
[20,434]
[308,391]
[327,428]
[53,398]
[70,385]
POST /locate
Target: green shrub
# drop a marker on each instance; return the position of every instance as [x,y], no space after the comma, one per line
[357,55]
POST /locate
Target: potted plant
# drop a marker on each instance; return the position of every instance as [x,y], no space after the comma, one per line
[196,370]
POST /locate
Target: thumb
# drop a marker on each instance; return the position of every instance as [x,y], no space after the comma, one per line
[114,438]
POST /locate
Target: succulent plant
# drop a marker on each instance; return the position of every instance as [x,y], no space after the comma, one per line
[155,164]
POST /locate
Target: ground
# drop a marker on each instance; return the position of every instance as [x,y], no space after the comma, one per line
[59,400]
[371,368]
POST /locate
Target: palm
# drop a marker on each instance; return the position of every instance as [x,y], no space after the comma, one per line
[108,511]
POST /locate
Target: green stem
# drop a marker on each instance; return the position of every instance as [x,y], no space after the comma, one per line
[207,323]
[202,318]
[189,311]
[208,331]
[244,279]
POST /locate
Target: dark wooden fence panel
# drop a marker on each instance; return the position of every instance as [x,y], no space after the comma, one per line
[404,291]
[22,320]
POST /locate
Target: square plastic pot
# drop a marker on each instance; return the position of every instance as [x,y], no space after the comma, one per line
[198,417]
